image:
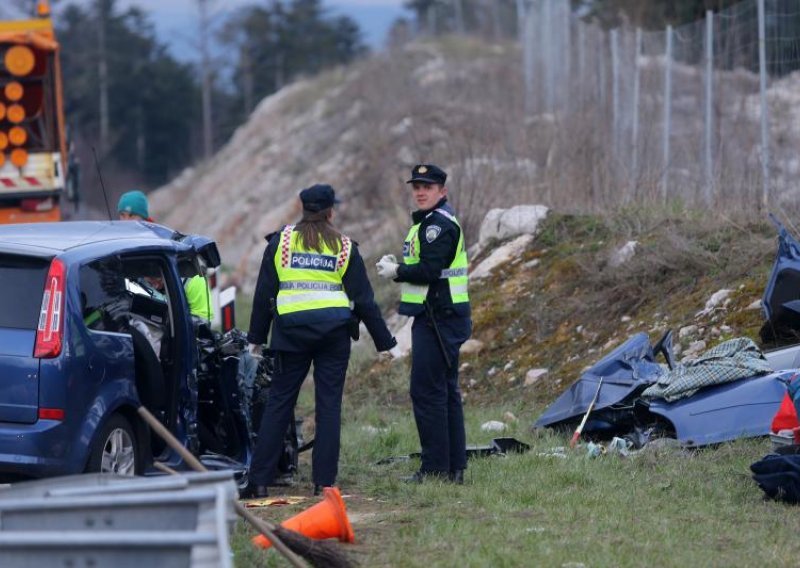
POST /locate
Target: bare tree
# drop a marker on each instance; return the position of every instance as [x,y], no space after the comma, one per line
[206,77]
[102,72]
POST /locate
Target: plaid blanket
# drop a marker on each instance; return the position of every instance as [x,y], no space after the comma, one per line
[729,361]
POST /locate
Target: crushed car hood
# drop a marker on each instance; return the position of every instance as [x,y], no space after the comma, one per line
[627,368]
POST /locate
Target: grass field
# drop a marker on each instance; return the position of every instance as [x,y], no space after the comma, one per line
[666,507]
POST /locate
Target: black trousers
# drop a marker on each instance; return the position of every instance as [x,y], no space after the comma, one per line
[330,356]
[435,394]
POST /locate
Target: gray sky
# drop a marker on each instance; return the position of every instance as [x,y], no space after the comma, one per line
[178,18]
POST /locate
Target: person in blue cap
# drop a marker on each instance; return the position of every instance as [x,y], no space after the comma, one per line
[433,278]
[312,282]
[133,206]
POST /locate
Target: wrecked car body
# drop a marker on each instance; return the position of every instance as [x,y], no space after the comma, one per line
[714,413]
[95,322]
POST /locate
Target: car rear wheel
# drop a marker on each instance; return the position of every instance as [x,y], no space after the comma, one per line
[115,449]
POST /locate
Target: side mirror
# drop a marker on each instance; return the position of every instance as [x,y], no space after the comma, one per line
[205,249]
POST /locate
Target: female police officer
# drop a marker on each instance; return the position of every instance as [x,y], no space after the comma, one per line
[310,276]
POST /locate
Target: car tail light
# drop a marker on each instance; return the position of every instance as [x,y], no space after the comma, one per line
[45,204]
[50,330]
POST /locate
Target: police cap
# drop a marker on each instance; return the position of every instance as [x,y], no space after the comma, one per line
[318,197]
[428,173]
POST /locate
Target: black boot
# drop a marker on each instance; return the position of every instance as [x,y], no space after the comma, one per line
[421,476]
[457,476]
[252,491]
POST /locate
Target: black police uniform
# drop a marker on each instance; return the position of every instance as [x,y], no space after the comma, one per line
[435,393]
[327,345]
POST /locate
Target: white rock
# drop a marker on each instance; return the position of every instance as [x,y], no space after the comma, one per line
[532,377]
[625,319]
[714,301]
[509,417]
[726,329]
[532,263]
[472,346]
[503,224]
[715,331]
[623,254]
[373,430]
[755,305]
[463,367]
[472,383]
[687,331]
[677,349]
[508,366]
[695,348]
[491,372]
[493,426]
[501,255]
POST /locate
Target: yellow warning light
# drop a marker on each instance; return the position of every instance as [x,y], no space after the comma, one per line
[2,111]
[19,157]
[14,91]
[43,9]
[3,141]
[17,136]
[15,113]
[19,60]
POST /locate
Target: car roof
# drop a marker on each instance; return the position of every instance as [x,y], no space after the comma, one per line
[50,239]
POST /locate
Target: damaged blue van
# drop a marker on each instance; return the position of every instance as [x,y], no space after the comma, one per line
[94,322]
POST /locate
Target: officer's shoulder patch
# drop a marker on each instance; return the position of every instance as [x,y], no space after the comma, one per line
[431,232]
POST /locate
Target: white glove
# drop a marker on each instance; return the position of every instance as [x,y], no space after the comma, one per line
[392,354]
[390,258]
[255,351]
[387,267]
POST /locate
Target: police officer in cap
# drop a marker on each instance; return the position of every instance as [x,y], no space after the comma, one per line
[433,276]
[310,276]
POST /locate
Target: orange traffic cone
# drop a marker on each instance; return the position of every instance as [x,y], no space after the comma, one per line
[326,519]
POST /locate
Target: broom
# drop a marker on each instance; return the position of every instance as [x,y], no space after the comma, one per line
[579,429]
[295,547]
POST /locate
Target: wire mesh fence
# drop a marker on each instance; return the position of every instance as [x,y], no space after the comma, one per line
[704,113]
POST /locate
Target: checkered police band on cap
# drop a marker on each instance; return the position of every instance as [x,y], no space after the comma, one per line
[428,173]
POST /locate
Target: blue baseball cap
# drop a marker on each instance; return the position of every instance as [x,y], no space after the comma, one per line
[318,197]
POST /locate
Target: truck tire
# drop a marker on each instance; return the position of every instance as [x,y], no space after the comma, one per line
[115,449]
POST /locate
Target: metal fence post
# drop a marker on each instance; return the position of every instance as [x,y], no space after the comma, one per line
[615,118]
[762,71]
[635,110]
[528,35]
[709,122]
[667,114]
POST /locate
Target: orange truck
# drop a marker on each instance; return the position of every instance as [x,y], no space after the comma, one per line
[37,173]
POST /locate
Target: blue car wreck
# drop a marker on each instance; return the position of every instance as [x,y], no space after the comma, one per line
[710,414]
[94,322]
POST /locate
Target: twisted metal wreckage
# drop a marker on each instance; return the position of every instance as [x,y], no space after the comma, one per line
[731,391]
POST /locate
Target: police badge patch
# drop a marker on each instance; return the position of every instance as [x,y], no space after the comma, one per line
[431,232]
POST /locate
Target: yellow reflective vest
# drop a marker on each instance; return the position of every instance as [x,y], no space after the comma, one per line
[455,274]
[310,286]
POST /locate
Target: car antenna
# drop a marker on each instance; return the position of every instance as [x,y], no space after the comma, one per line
[102,186]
